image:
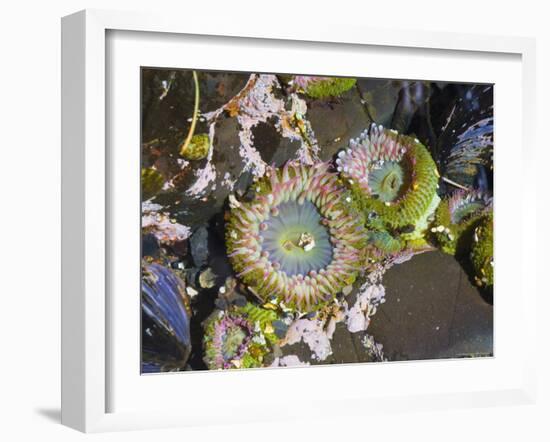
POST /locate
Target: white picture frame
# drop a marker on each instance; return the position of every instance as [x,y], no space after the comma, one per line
[85,233]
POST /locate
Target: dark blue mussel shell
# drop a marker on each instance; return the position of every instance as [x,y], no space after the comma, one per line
[166,337]
[465,143]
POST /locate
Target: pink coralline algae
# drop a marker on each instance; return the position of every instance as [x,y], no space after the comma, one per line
[159,223]
[289,361]
[368,300]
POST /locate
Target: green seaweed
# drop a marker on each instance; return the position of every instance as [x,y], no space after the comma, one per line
[197,148]
[329,87]
[151,183]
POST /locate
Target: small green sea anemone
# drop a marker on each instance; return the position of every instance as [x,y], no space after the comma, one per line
[197,149]
[323,87]
[394,182]
[482,252]
[240,337]
[455,219]
[298,241]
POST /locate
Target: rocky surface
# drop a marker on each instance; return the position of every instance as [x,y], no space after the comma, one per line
[427,317]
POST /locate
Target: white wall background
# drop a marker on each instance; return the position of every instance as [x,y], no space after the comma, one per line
[30,220]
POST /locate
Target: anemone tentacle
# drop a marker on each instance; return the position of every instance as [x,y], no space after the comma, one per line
[304,244]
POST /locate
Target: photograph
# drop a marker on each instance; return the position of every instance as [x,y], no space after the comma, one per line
[295,220]
[253,220]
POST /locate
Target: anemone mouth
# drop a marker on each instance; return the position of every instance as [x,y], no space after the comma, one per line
[297,241]
[392,175]
[388,180]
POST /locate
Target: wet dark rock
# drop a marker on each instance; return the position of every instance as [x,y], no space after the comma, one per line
[221,267]
[169,96]
[165,125]
[219,261]
[432,310]
[199,246]
[343,349]
[226,300]
[412,102]
[243,183]
[178,248]
[380,98]
[194,210]
[336,122]
[217,88]
[192,276]
[280,328]
[287,149]
[273,148]
[149,245]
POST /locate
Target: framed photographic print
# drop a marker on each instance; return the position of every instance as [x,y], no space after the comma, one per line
[250,215]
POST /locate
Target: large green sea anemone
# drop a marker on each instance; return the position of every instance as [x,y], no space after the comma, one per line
[394,182]
[298,240]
